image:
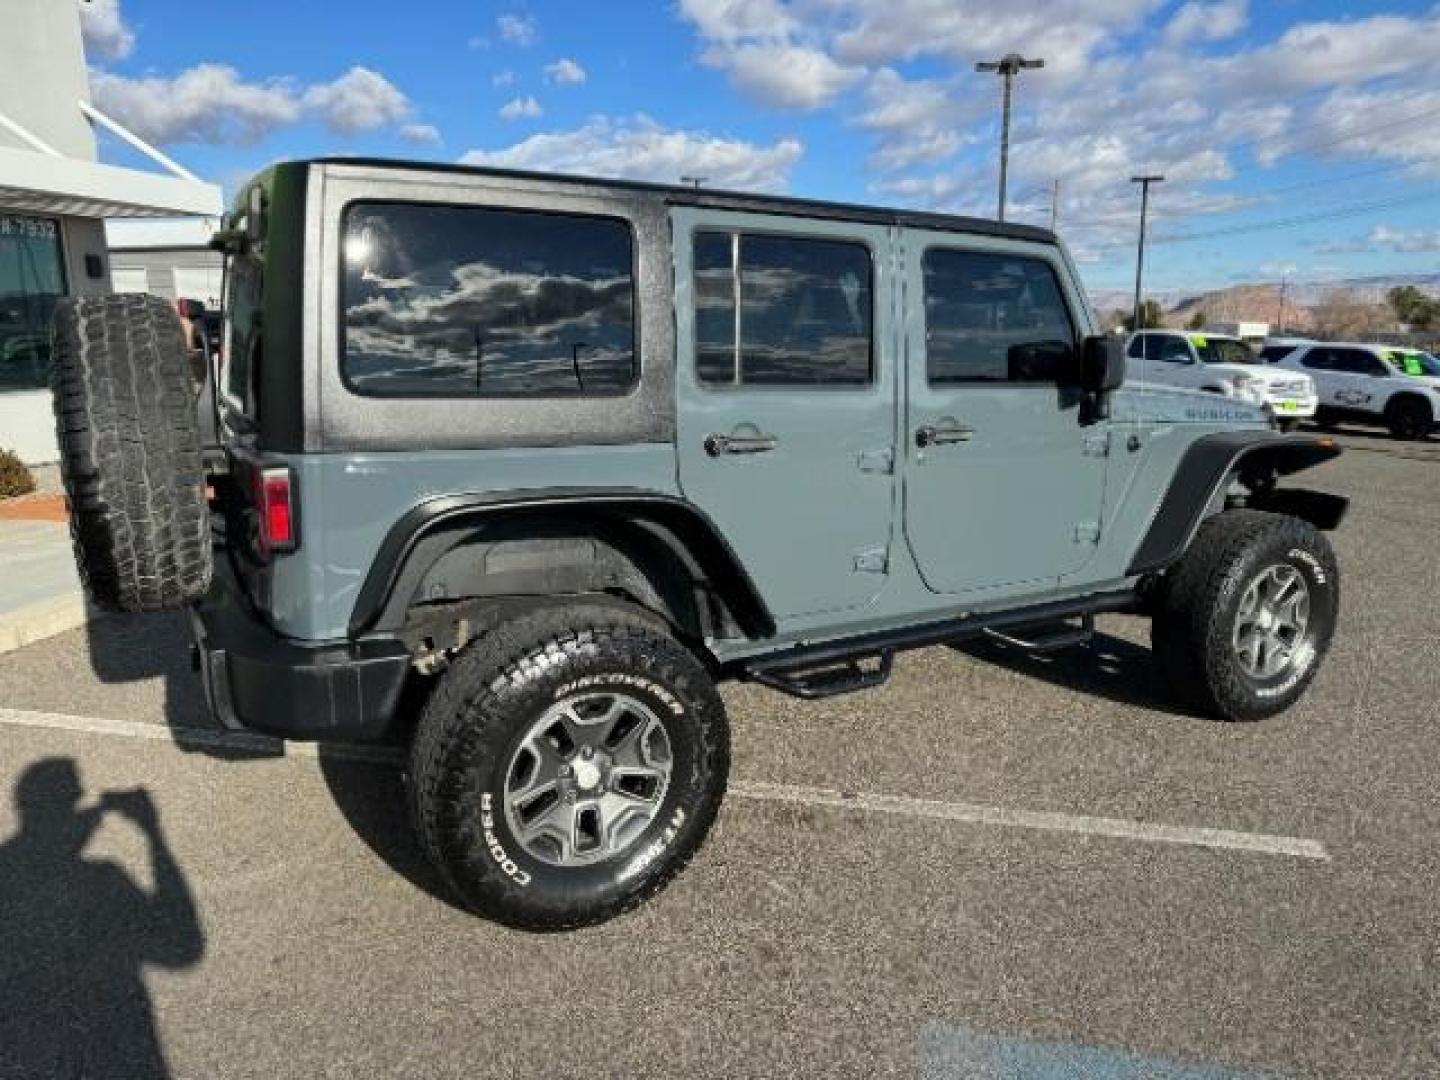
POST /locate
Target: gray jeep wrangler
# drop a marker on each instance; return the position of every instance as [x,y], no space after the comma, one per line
[514,469]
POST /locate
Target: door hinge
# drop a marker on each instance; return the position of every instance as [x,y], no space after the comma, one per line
[877,461]
[1097,445]
[875,560]
[1087,532]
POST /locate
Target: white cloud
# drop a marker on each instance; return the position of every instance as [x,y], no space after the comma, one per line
[421,134]
[733,20]
[517,29]
[503,78]
[360,100]
[767,54]
[213,104]
[1197,21]
[107,35]
[566,72]
[638,148]
[209,103]
[1382,237]
[521,108]
[783,76]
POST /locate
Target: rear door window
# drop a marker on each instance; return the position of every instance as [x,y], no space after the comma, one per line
[782,310]
[461,301]
[1356,362]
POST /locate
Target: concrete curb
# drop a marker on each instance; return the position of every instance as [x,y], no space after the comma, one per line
[38,621]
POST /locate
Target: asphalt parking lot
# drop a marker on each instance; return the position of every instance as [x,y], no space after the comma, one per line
[995,866]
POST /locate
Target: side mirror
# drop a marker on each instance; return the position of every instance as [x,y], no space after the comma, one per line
[1102,364]
[1102,371]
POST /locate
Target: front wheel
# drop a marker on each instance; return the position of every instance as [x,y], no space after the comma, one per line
[1408,419]
[1246,617]
[568,766]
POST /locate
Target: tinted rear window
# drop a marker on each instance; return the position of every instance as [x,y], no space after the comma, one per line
[804,317]
[459,301]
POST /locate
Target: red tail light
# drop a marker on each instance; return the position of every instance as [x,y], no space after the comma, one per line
[275,508]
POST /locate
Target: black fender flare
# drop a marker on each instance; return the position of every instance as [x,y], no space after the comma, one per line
[1205,467]
[438,525]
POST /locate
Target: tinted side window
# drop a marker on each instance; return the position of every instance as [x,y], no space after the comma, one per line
[1319,359]
[1272,353]
[804,315]
[1173,350]
[994,318]
[459,301]
[1137,348]
[1356,362]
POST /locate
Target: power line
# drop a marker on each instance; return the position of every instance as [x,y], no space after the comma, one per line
[1296,221]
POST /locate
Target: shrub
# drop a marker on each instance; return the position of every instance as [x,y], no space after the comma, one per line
[15,478]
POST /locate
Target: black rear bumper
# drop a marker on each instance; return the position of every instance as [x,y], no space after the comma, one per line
[257,680]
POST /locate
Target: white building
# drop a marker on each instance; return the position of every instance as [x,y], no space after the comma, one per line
[172,259]
[54,199]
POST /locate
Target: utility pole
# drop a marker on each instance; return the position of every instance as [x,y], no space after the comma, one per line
[1144,182]
[1280,314]
[1055,205]
[1007,66]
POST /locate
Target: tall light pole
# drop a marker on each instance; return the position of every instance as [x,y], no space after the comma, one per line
[1144,182]
[1007,66]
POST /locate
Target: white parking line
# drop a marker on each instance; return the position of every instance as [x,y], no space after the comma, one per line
[933,809]
[972,814]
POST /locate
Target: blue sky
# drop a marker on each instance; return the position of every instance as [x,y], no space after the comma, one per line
[1299,137]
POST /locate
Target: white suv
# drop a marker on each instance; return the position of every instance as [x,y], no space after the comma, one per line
[1377,384]
[1222,365]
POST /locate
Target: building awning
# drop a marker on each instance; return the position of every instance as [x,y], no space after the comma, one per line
[44,184]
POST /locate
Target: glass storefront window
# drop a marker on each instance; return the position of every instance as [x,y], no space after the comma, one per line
[32,278]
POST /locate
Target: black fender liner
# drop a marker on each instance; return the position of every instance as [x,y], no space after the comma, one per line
[438,525]
[1203,470]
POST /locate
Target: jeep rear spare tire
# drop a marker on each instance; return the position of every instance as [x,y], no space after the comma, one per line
[127,423]
[568,765]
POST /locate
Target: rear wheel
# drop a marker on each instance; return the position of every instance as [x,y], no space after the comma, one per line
[128,426]
[568,766]
[1408,418]
[1246,617]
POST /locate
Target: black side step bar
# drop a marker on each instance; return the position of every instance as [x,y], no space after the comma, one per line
[1058,636]
[822,670]
[827,680]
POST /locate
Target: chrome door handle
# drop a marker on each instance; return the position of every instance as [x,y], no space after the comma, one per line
[935,435]
[715,445]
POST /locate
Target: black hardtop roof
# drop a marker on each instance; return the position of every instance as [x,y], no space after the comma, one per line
[731,200]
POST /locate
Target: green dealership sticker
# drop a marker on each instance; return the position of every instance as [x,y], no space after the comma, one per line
[1198,341]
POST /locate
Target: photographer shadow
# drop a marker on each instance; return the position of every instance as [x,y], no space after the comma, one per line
[77,933]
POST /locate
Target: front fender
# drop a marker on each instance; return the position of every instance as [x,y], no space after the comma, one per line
[1206,467]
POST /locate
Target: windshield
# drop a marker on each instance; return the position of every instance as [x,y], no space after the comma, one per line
[1416,363]
[1223,350]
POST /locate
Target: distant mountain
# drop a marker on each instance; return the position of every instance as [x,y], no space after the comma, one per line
[1261,302]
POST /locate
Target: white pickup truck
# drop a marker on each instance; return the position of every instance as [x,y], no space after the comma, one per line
[1222,365]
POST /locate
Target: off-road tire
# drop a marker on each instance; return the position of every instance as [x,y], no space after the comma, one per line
[1324,419]
[1408,418]
[485,703]
[128,428]
[1198,604]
